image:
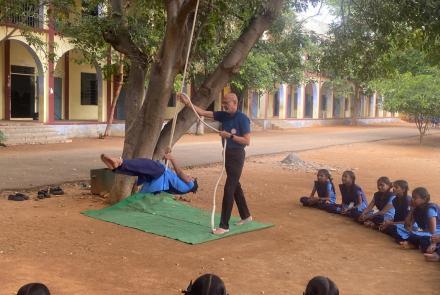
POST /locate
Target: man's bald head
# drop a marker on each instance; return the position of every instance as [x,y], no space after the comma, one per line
[230,103]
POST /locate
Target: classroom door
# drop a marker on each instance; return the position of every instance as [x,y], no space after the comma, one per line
[58,96]
[22,96]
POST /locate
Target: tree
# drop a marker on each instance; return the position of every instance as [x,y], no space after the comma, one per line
[354,53]
[415,95]
[153,36]
[274,59]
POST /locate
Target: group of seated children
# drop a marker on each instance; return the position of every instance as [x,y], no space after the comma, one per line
[208,284]
[413,221]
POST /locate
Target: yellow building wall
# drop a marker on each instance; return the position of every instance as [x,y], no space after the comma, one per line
[270,106]
[76,110]
[2,81]
[20,56]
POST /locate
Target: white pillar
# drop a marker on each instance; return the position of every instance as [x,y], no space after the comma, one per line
[373,103]
[282,96]
[316,99]
[301,97]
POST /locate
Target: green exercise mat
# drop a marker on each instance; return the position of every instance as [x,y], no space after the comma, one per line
[162,215]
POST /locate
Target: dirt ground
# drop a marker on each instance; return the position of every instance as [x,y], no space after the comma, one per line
[49,241]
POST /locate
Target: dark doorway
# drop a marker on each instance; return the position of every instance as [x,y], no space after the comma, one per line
[22,96]
[276,104]
[120,105]
[309,106]
[58,94]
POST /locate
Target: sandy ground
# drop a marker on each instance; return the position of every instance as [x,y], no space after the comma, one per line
[49,241]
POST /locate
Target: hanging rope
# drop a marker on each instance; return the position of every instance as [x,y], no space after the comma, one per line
[176,112]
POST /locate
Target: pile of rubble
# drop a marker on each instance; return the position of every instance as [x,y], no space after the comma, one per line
[293,162]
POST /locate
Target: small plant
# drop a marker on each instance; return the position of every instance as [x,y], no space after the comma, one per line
[2,138]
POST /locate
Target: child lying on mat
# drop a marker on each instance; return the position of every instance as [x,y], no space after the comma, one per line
[153,175]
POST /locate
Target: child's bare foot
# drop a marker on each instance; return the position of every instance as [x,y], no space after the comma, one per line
[111,163]
[220,231]
[431,249]
[405,245]
[434,257]
[369,224]
[244,221]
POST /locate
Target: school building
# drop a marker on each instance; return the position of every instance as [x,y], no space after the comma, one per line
[69,98]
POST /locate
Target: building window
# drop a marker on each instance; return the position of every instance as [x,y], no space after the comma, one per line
[27,13]
[89,89]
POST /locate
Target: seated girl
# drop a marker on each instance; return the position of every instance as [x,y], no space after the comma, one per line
[353,197]
[422,222]
[153,175]
[401,205]
[325,189]
[383,201]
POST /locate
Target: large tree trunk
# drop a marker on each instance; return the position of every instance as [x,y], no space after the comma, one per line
[144,120]
[215,82]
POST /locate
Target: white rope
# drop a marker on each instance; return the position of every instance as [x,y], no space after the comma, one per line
[173,128]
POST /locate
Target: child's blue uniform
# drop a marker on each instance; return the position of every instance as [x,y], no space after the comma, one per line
[420,232]
[323,190]
[401,205]
[350,195]
[381,200]
[154,176]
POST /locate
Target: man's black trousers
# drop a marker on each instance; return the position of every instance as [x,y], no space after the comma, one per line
[234,166]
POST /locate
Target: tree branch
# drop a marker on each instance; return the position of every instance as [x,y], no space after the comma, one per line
[213,84]
[186,8]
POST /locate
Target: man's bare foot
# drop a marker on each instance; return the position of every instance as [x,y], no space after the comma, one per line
[220,231]
[405,245]
[244,221]
[434,257]
[111,163]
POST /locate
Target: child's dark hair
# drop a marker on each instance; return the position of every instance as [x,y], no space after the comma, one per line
[325,172]
[403,184]
[33,289]
[321,286]
[328,175]
[351,175]
[422,193]
[385,180]
[207,284]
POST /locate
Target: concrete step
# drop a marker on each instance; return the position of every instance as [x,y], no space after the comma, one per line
[22,133]
[37,141]
[281,125]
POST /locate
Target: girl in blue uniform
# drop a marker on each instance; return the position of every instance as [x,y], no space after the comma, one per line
[383,201]
[401,205]
[325,189]
[353,197]
[422,222]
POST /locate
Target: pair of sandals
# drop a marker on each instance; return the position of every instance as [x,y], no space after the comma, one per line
[18,197]
[57,191]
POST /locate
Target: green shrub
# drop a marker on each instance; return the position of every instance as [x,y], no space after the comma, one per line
[2,138]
